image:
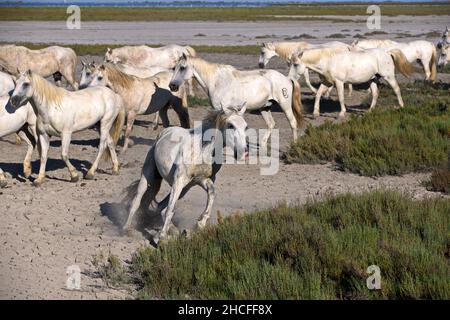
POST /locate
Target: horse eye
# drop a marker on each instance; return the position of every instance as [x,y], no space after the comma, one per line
[88,73]
[100,78]
[26,84]
[230,126]
[182,68]
[296,65]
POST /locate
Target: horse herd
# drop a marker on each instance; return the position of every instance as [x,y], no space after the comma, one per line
[138,80]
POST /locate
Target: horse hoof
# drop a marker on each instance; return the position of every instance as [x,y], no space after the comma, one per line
[3,183]
[89,176]
[74,178]
[316,115]
[27,173]
[37,183]
[115,172]
[201,225]
[341,116]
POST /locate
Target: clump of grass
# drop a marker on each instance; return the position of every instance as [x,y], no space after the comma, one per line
[111,270]
[300,36]
[195,101]
[386,140]
[200,35]
[318,251]
[440,181]
[374,33]
[337,35]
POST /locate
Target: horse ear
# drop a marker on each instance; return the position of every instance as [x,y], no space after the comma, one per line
[83,63]
[28,73]
[183,56]
[270,46]
[108,50]
[102,67]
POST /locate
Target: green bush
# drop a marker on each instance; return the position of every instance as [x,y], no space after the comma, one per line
[386,140]
[317,251]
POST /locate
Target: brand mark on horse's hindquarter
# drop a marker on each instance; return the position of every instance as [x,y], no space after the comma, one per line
[285,93]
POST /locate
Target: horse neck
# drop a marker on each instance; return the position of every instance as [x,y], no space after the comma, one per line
[204,72]
[116,86]
[38,100]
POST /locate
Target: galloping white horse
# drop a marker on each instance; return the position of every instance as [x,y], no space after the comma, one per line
[147,57]
[420,50]
[285,50]
[54,60]
[60,112]
[6,83]
[352,67]
[174,156]
[23,121]
[259,89]
[141,96]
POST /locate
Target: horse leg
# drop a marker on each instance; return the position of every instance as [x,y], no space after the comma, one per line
[350,90]
[308,83]
[319,93]
[65,143]
[44,143]
[182,112]
[29,139]
[267,116]
[147,189]
[287,109]
[426,68]
[104,134]
[164,117]
[113,154]
[175,192]
[57,76]
[328,92]
[156,121]
[208,186]
[340,90]
[131,116]
[18,139]
[374,90]
[394,84]
[3,182]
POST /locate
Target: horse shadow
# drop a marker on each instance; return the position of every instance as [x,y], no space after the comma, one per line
[117,213]
[88,142]
[15,169]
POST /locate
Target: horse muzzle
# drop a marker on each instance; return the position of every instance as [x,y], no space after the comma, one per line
[15,101]
[261,65]
[173,87]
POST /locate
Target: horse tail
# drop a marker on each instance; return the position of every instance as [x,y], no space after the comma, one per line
[297,106]
[433,65]
[401,63]
[185,105]
[190,51]
[116,128]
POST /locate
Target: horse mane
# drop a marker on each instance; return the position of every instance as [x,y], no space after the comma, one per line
[46,92]
[207,68]
[215,119]
[313,56]
[118,77]
[285,49]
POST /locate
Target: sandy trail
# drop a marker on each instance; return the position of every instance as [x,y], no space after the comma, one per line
[216,33]
[45,230]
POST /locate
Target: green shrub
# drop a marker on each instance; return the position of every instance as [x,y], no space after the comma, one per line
[317,251]
[386,140]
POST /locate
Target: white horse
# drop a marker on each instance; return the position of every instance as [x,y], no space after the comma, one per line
[142,96]
[420,50]
[147,57]
[54,60]
[444,55]
[174,156]
[285,50]
[259,89]
[60,112]
[23,122]
[6,83]
[86,76]
[352,67]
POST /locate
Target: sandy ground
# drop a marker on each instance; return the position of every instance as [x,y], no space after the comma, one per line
[216,33]
[45,230]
